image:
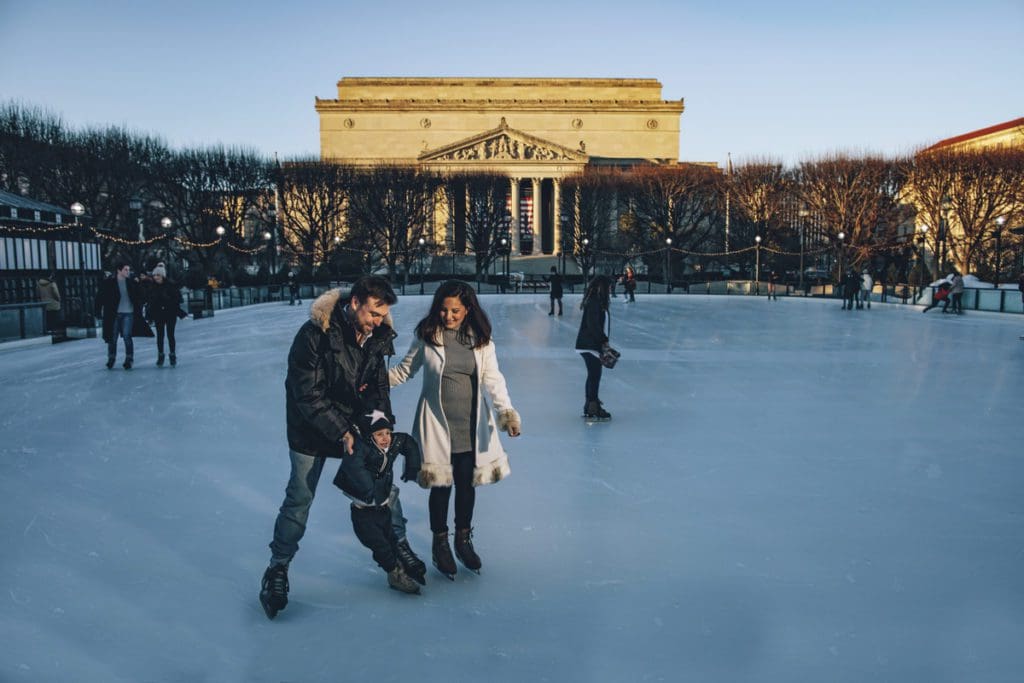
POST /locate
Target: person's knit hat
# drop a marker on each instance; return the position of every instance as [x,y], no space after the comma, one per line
[159,270]
[377,420]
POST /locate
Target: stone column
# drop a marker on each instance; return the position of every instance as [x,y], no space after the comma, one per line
[515,215]
[537,223]
[556,223]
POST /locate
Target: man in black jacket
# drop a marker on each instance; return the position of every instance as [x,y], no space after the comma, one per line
[337,373]
[119,304]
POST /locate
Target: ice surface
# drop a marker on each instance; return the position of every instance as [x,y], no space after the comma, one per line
[787,492]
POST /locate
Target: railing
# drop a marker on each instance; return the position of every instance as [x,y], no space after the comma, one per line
[22,321]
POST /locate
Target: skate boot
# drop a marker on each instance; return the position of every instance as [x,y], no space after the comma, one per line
[160,360]
[595,412]
[110,362]
[464,550]
[442,554]
[400,581]
[274,591]
[414,567]
[174,360]
[128,363]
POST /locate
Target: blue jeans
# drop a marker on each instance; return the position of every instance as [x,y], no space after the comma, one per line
[298,496]
[123,327]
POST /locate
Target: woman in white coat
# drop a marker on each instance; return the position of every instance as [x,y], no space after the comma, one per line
[463,402]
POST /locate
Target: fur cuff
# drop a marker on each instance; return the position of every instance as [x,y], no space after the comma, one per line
[492,472]
[508,419]
[432,476]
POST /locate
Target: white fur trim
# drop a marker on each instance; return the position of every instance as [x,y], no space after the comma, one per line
[434,475]
[492,472]
[508,419]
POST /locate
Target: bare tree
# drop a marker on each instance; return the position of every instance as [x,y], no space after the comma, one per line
[486,198]
[961,193]
[390,207]
[589,216]
[312,210]
[29,137]
[855,196]
[683,203]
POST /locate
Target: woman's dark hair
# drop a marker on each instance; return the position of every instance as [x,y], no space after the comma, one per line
[476,327]
[599,287]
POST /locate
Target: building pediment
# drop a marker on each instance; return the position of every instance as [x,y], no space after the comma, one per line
[504,144]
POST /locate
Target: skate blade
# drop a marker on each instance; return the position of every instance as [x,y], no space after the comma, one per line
[268,609]
[396,588]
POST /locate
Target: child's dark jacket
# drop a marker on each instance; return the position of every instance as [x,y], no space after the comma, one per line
[366,475]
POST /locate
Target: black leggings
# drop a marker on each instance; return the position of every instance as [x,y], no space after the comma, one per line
[463,465]
[169,325]
[594,368]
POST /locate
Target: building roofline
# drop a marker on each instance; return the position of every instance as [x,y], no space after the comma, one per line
[982,132]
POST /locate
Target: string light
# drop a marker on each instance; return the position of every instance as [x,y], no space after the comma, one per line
[35,231]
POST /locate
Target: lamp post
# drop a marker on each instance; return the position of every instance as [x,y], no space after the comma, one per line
[423,244]
[668,265]
[270,256]
[999,246]
[940,258]
[842,259]
[804,215]
[757,265]
[78,210]
[585,253]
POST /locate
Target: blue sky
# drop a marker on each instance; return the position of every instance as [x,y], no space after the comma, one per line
[787,80]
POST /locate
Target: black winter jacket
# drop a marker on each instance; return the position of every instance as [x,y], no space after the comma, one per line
[367,475]
[332,382]
[591,335]
[105,307]
[163,302]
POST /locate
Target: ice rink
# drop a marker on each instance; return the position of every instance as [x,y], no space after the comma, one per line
[787,492]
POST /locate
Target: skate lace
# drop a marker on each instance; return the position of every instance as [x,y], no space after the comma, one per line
[279,583]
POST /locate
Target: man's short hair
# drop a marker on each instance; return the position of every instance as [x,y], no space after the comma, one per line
[375,286]
[121,265]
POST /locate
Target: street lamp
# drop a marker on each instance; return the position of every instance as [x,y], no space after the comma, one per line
[423,243]
[842,259]
[940,258]
[999,246]
[668,265]
[804,215]
[586,262]
[220,231]
[78,210]
[757,265]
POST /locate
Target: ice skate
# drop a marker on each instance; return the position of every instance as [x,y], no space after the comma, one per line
[442,555]
[413,565]
[465,552]
[400,581]
[274,591]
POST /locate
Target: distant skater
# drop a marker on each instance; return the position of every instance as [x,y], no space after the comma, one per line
[591,341]
[629,284]
[556,291]
[866,285]
[941,295]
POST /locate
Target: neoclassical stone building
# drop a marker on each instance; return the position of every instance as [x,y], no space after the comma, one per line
[536,131]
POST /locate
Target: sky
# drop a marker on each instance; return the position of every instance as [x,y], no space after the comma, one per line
[785,80]
[787,492]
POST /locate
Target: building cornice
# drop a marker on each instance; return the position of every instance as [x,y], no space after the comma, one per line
[670,107]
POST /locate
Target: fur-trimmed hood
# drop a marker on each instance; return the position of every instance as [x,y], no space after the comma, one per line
[322,308]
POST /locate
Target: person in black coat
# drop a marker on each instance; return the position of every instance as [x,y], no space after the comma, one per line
[366,476]
[119,301]
[592,340]
[163,307]
[556,290]
[337,372]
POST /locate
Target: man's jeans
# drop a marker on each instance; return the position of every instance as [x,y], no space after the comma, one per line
[122,327]
[298,496]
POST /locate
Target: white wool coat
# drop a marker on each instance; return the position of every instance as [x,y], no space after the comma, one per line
[430,428]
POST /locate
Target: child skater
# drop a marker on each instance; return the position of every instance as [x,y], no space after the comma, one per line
[366,477]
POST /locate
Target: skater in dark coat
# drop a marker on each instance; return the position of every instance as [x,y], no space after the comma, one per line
[851,290]
[337,372]
[556,291]
[366,476]
[119,301]
[163,308]
[629,283]
[592,340]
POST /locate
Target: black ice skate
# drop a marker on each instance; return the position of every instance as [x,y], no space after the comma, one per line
[274,591]
[442,555]
[593,411]
[413,565]
[465,552]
